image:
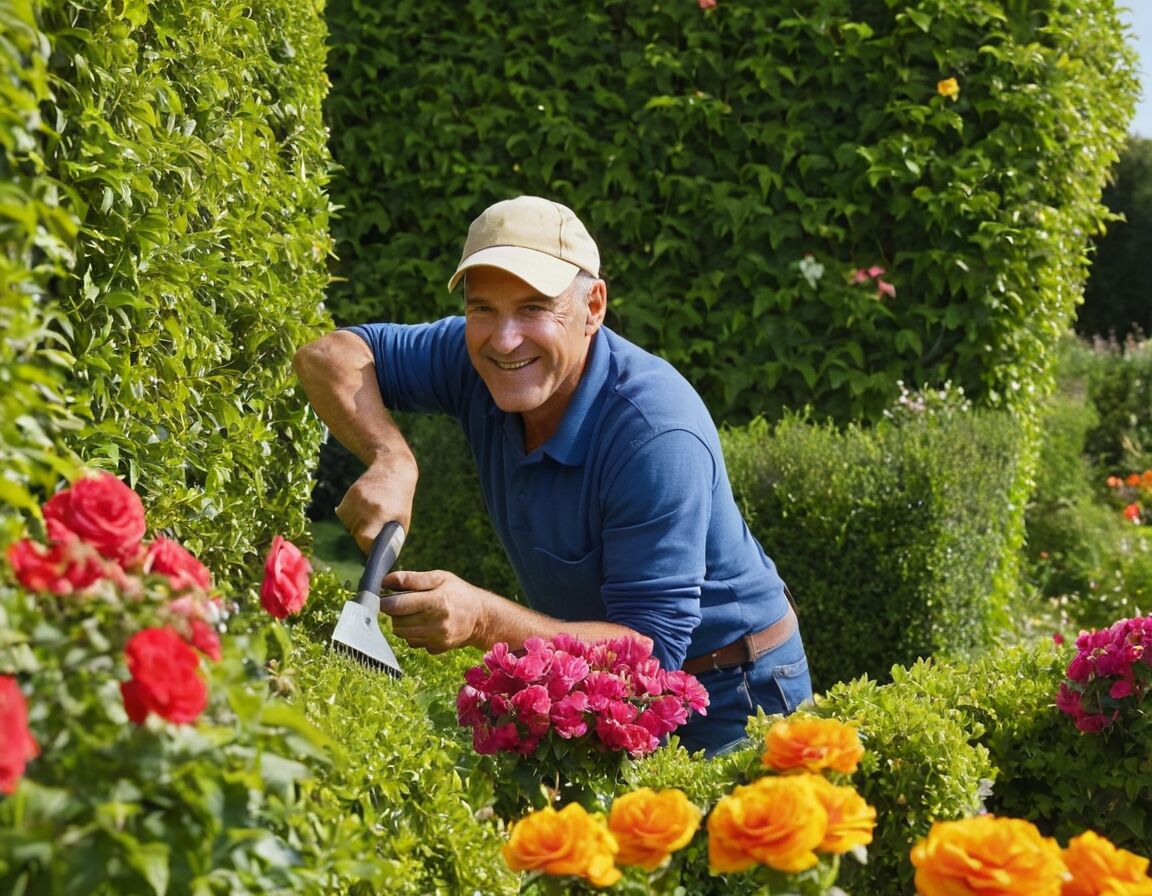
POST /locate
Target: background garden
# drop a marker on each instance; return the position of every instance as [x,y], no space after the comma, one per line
[863,231]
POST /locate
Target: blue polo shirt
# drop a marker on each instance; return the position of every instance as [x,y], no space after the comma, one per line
[625,514]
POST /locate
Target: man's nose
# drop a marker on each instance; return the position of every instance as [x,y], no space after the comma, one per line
[506,335]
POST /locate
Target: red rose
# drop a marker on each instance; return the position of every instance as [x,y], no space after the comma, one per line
[286,579]
[61,568]
[16,743]
[100,510]
[165,678]
[168,558]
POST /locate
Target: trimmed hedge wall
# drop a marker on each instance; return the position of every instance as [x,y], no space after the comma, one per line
[897,542]
[185,140]
[711,152]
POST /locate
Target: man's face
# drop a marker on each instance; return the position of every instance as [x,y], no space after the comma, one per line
[529,348]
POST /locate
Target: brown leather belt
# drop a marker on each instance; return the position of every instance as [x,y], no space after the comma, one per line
[747,649]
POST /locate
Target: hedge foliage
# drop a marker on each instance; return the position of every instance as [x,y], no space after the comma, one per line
[37,238]
[896,541]
[175,154]
[737,166]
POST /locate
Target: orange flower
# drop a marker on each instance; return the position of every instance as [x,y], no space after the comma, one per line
[1133,479]
[810,744]
[1133,888]
[1146,479]
[650,825]
[1097,868]
[568,842]
[850,819]
[1115,482]
[949,87]
[777,822]
[987,856]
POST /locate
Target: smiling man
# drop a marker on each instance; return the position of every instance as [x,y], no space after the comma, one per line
[600,468]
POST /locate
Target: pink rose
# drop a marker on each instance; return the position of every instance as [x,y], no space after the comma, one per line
[287,575]
[100,510]
[602,689]
[487,739]
[168,558]
[568,715]
[60,568]
[567,672]
[165,678]
[17,745]
[688,688]
[532,706]
[663,716]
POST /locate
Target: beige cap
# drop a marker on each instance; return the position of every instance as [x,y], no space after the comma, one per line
[540,241]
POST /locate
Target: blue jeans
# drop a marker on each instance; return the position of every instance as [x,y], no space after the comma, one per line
[778,682]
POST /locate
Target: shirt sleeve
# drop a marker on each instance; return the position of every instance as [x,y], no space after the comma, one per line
[420,367]
[657,508]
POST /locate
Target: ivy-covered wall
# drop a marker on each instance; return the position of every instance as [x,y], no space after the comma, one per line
[164,248]
[738,165]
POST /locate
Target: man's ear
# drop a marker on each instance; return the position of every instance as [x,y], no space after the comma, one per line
[597,306]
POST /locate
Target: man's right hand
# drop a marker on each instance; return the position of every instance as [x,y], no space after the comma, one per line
[378,497]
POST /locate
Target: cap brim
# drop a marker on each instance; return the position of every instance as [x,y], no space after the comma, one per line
[545,273]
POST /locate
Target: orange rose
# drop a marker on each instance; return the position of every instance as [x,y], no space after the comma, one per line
[810,744]
[568,842]
[850,819]
[649,826]
[987,856]
[1133,479]
[1097,867]
[777,822]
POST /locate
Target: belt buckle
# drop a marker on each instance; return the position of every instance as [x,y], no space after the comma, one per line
[712,656]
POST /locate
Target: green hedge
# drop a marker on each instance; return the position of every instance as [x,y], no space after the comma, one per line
[186,141]
[711,151]
[37,239]
[898,542]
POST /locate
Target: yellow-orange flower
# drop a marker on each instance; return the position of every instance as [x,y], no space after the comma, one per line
[810,744]
[850,819]
[949,87]
[568,842]
[1098,868]
[777,822]
[650,825]
[987,856]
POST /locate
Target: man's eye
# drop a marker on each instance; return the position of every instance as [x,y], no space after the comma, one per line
[535,309]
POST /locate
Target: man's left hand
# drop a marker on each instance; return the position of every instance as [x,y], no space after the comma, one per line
[436,610]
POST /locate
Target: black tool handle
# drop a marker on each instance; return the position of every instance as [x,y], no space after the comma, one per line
[381,559]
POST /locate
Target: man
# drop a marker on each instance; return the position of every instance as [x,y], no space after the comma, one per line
[599,465]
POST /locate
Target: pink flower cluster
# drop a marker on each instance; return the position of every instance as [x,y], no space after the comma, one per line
[883,287]
[1112,668]
[613,694]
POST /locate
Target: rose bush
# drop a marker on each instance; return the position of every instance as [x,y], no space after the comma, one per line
[1110,675]
[782,831]
[144,747]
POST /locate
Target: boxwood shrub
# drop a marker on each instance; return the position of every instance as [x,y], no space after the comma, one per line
[897,542]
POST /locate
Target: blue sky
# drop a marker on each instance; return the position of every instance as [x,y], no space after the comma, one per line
[1138,14]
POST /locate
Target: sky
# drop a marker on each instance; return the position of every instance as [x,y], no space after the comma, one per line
[1138,14]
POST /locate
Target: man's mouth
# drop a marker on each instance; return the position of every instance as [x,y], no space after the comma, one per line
[511,365]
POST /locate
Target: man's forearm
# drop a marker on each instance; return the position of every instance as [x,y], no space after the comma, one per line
[339,377]
[514,623]
[338,374]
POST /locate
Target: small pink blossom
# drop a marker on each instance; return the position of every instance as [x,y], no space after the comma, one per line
[706,4]
[532,707]
[487,739]
[568,715]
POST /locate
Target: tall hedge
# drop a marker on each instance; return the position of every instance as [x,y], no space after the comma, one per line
[186,140]
[738,165]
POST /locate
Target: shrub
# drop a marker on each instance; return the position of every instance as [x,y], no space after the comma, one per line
[1120,388]
[188,139]
[736,179]
[884,535]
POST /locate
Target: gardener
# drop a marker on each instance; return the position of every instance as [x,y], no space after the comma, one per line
[599,464]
